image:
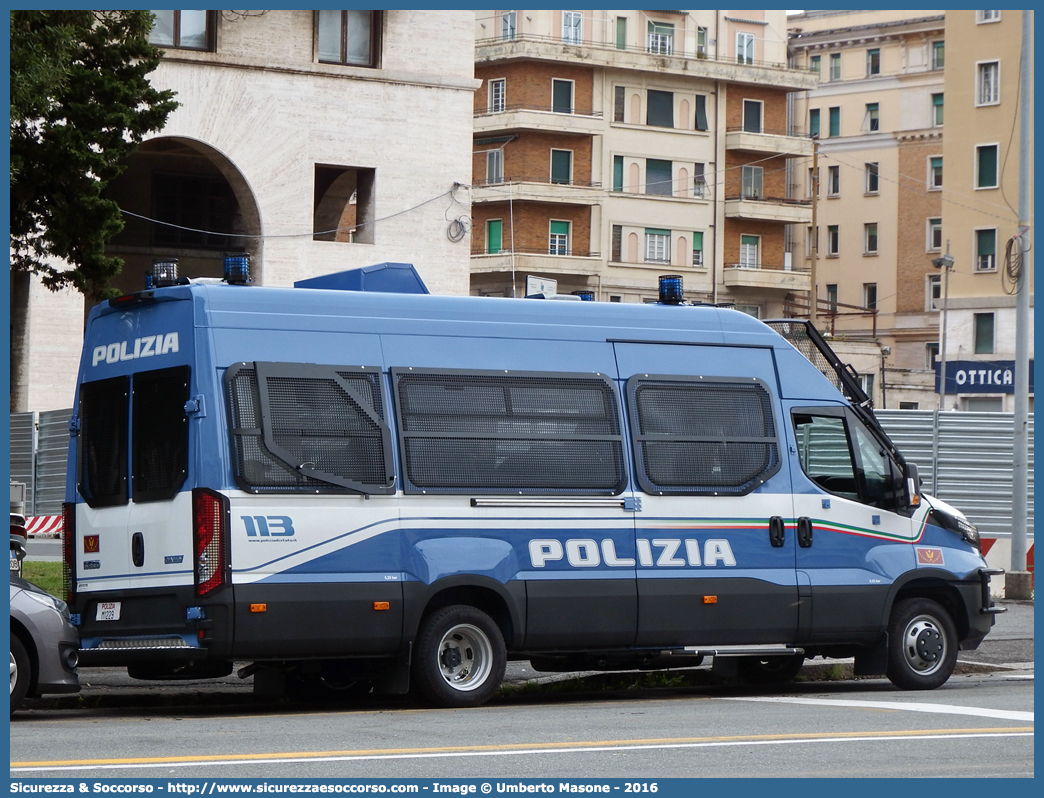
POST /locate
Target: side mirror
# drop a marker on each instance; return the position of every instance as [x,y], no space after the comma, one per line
[913,485]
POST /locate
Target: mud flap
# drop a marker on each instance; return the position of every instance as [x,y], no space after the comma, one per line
[872,661]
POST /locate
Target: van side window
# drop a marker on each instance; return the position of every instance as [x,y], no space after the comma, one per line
[842,457]
[491,432]
[702,437]
[304,427]
[159,433]
[102,467]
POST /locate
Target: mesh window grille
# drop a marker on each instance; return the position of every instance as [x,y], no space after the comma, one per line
[480,432]
[308,428]
[103,441]
[159,440]
[702,438]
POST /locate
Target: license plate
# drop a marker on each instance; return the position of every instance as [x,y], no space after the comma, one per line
[108,611]
[16,564]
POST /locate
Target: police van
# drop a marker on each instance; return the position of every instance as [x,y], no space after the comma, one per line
[404,491]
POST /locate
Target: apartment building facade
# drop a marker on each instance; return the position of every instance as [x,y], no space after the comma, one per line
[900,148]
[612,147]
[291,144]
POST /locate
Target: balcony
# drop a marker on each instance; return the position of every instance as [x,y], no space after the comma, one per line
[776,142]
[769,209]
[539,261]
[520,189]
[736,276]
[544,119]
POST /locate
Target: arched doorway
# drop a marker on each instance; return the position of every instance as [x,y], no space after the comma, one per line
[183,199]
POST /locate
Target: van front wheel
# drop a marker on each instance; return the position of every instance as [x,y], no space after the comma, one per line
[922,645]
[459,658]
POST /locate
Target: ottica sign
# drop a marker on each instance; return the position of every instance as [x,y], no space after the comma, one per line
[981,376]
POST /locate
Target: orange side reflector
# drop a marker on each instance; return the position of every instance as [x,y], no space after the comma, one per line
[710,599]
[259,608]
[382,605]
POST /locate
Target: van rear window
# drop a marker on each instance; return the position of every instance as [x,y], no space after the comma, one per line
[488,432]
[159,433]
[304,427]
[102,467]
[706,437]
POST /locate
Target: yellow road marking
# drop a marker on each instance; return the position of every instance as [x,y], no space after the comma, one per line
[467,749]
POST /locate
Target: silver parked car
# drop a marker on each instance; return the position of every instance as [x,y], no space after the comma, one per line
[44,644]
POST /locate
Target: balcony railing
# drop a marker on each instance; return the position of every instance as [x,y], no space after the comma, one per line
[547,109]
[767,132]
[541,180]
[571,252]
[755,197]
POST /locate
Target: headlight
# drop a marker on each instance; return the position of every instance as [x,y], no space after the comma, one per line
[957,525]
[48,600]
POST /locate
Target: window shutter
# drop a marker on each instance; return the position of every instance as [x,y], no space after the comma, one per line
[560,228]
[660,112]
[701,112]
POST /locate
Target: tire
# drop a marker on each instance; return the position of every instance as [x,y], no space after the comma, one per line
[922,645]
[770,670]
[459,657]
[21,673]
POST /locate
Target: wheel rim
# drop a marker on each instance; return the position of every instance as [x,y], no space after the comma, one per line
[14,672]
[465,657]
[924,645]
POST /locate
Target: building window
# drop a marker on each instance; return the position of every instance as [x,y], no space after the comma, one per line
[908,405]
[988,83]
[831,296]
[619,101]
[866,382]
[618,172]
[985,250]
[870,238]
[812,186]
[833,181]
[835,66]
[750,256]
[751,179]
[815,63]
[987,16]
[617,244]
[558,241]
[752,110]
[561,96]
[932,291]
[193,201]
[572,27]
[494,166]
[344,204]
[984,333]
[621,33]
[873,62]
[934,240]
[873,117]
[931,354]
[745,48]
[750,310]
[937,110]
[938,55]
[935,173]
[873,179]
[660,38]
[833,241]
[497,95]
[699,181]
[813,122]
[657,246]
[986,166]
[697,249]
[701,112]
[182,30]
[562,166]
[811,241]
[701,42]
[835,121]
[659,177]
[660,108]
[349,37]
[508,26]
[494,236]
[870,296]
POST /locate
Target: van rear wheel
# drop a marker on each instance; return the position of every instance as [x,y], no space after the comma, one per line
[922,645]
[459,657]
[770,670]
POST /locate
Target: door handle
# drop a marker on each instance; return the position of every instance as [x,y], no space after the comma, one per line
[804,532]
[777,532]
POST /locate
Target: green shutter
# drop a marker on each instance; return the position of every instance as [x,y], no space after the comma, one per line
[697,241]
[559,228]
[701,112]
[987,242]
[660,111]
[813,122]
[987,166]
[562,96]
[618,173]
[561,166]
[494,236]
[659,177]
[835,121]
[652,231]
[621,33]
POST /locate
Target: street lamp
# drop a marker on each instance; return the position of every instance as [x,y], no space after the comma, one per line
[945,263]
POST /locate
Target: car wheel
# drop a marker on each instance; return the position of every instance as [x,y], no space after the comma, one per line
[770,670]
[21,673]
[922,645]
[459,657]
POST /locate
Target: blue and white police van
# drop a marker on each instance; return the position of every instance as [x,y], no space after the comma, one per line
[406,491]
